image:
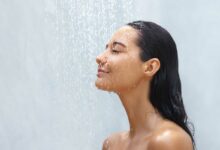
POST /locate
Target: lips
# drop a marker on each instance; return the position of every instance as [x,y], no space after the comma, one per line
[101,72]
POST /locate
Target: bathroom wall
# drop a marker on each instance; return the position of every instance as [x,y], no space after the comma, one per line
[48,99]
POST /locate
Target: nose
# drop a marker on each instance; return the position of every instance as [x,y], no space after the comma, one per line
[101,59]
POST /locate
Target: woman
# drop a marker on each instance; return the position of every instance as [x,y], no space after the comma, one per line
[140,64]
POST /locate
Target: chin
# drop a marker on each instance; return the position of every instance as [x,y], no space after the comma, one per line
[103,86]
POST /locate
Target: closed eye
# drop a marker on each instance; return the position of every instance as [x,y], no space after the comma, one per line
[115,51]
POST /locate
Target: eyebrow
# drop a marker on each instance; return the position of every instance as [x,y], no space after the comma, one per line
[116,42]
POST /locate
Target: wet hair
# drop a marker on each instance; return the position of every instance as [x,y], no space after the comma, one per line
[165,86]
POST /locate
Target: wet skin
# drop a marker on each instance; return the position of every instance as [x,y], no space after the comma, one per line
[122,72]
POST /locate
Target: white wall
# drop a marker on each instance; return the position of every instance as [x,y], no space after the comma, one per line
[48,100]
[47,69]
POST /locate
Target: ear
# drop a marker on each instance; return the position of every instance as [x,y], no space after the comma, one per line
[151,67]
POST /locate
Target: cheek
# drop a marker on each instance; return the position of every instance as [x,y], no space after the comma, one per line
[126,75]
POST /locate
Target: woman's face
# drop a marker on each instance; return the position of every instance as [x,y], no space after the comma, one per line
[120,62]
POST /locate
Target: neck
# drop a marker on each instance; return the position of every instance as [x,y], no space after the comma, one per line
[141,114]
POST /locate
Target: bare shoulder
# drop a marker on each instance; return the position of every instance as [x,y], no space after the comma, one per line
[171,137]
[112,139]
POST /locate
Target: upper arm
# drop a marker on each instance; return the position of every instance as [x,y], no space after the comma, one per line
[171,141]
[105,145]
[110,141]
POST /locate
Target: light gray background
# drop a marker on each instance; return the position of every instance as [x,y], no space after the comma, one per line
[47,69]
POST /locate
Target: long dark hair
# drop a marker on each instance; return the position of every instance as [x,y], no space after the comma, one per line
[165,87]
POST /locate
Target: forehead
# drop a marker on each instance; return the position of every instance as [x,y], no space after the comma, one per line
[126,35]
